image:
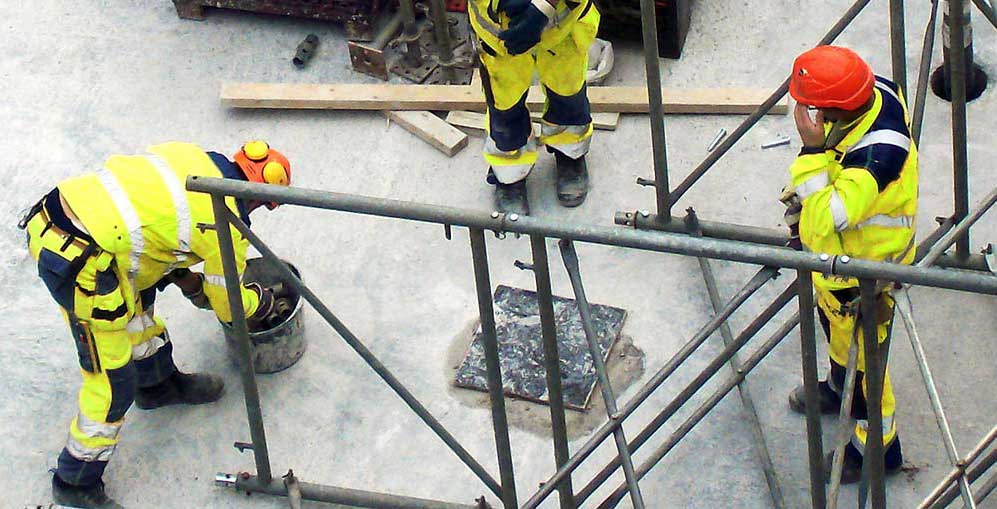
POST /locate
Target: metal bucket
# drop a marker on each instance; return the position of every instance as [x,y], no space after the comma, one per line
[282,344]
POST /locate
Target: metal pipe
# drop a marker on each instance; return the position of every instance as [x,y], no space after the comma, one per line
[773,236]
[740,374]
[240,329]
[597,234]
[986,489]
[489,341]
[441,30]
[413,51]
[960,468]
[808,343]
[958,15]
[775,491]
[846,424]
[645,392]
[898,44]
[972,474]
[570,259]
[905,308]
[382,371]
[990,13]
[960,230]
[928,242]
[693,387]
[659,149]
[552,365]
[762,110]
[872,457]
[924,74]
[342,496]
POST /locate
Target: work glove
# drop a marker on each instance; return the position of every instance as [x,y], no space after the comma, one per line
[524,30]
[513,8]
[794,208]
[264,309]
[191,285]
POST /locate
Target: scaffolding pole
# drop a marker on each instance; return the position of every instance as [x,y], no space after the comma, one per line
[957,15]
[924,74]
[898,44]
[659,149]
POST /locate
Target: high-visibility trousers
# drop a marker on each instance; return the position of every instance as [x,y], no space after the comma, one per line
[510,147]
[119,350]
[840,326]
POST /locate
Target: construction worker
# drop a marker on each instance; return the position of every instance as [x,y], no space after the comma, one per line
[105,243]
[515,38]
[853,191]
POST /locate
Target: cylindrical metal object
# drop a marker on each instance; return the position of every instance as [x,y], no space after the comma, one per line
[552,364]
[898,44]
[570,258]
[951,493]
[375,364]
[233,289]
[924,74]
[930,501]
[659,149]
[960,230]
[282,343]
[872,458]
[441,30]
[957,14]
[956,27]
[305,51]
[343,496]
[808,344]
[413,52]
[486,311]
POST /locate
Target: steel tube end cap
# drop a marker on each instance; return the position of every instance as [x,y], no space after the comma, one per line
[225,480]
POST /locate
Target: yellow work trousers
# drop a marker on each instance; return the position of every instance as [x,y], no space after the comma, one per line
[841,326]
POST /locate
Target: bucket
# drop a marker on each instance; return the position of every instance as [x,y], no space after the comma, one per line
[280,345]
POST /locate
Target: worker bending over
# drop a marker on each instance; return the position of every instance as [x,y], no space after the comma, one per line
[515,38]
[853,191]
[105,242]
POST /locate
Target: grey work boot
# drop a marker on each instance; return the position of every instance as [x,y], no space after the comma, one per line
[511,198]
[830,401]
[572,180]
[83,497]
[181,389]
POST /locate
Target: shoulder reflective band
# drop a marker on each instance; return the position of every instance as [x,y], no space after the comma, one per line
[180,205]
[129,215]
[884,137]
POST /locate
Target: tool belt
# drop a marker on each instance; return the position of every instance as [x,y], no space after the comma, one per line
[87,246]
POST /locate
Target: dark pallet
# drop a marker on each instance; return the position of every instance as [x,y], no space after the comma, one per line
[621,19]
[359,16]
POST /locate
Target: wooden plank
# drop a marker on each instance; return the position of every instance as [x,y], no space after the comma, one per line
[462,97]
[431,129]
[474,122]
[603,121]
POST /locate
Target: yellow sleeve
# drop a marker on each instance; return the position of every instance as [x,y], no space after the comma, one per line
[837,206]
[214,279]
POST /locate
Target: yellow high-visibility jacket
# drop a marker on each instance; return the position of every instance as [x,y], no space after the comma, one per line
[859,194]
[488,22]
[137,207]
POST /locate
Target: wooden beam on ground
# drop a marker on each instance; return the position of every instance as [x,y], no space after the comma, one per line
[466,98]
[431,129]
[475,122]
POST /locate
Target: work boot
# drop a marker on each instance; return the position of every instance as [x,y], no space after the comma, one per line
[851,469]
[181,388]
[511,198]
[83,497]
[572,180]
[830,401]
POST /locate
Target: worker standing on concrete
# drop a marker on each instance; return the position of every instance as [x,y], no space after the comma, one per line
[105,243]
[853,192]
[515,39]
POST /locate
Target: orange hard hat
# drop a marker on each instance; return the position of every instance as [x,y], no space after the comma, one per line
[831,77]
[264,165]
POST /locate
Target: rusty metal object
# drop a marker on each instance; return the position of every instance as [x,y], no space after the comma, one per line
[358,15]
[305,51]
[370,58]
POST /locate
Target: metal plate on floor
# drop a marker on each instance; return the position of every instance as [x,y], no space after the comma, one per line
[517,324]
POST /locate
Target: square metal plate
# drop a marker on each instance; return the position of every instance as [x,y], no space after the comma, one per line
[517,323]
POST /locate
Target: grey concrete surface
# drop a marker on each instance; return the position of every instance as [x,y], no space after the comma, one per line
[87,79]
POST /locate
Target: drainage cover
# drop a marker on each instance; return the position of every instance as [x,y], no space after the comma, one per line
[520,345]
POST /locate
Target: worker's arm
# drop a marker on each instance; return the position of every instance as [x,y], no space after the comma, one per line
[256,300]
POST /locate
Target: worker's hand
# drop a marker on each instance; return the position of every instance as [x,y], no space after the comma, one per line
[811,130]
[513,8]
[197,296]
[191,284]
[794,208]
[524,31]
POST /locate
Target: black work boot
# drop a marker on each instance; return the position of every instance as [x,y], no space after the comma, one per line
[83,497]
[511,198]
[181,388]
[851,469]
[572,180]
[830,401]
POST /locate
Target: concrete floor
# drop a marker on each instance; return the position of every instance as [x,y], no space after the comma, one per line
[101,77]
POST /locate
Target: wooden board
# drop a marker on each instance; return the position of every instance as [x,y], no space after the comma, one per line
[431,129]
[603,121]
[462,97]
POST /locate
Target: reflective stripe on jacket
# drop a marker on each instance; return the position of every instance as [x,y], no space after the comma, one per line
[860,195]
[138,208]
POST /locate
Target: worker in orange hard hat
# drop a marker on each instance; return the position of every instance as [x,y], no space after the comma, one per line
[105,243]
[852,191]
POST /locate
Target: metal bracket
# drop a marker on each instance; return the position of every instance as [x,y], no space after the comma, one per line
[368,60]
[521,265]
[225,480]
[641,181]
[243,446]
[205,226]
[293,489]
